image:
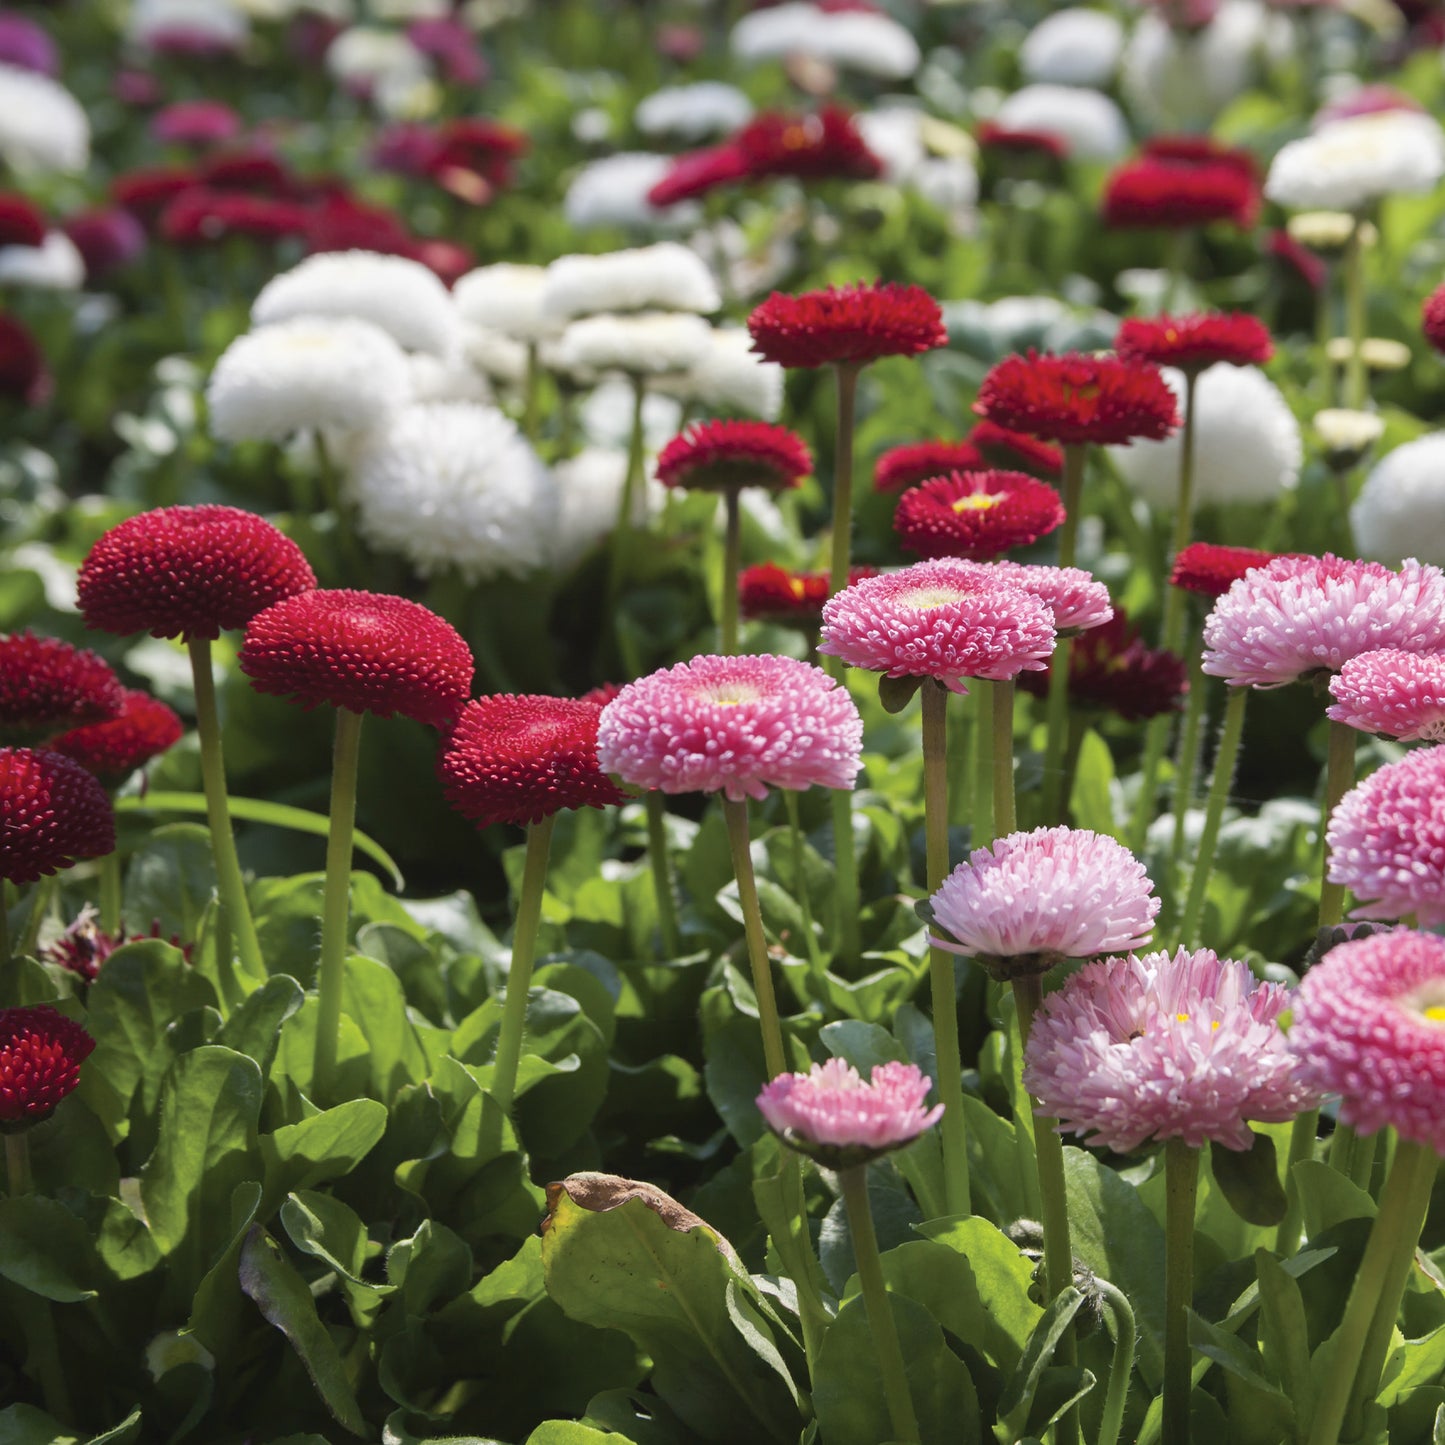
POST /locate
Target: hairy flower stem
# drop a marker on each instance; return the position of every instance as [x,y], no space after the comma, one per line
[619,564]
[1181,1190]
[1116,1394]
[1190,740]
[230,886]
[902,1420]
[110,894]
[660,861]
[1363,1335]
[1324,333]
[1056,712]
[957,1186]
[42,895]
[732,565]
[1339,777]
[981,819]
[1225,757]
[1005,812]
[774,1054]
[18,1177]
[1356,389]
[800,880]
[1301,1146]
[336,897]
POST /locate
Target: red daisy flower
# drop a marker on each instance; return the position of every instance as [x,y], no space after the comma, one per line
[47,686]
[769,593]
[147,193]
[1299,259]
[1174,195]
[519,759]
[445,259]
[23,374]
[1198,150]
[697,173]
[602,694]
[359,650]
[1111,670]
[475,157]
[1211,570]
[21,221]
[719,455]
[256,171]
[847,324]
[107,239]
[1016,451]
[906,466]
[188,572]
[1193,342]
[994,139]
[113,750]
[1076,398]
[51,812]
[345,224]
[976,514]
[1432,318]
[41,1052]
[84,946]
[821,146]
[201,217]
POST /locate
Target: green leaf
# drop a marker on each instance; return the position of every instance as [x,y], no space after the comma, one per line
[1327,1198]
[431,1267]
[257,810]
[254,1028]
[1284,1335]
[46,1249]
[328,1145]
[1415,1363]
[1231,1353]
[170,881]
[217,1318]
[895,693]
[326,1229]
[373,999]
[1016,1401]
[569,1432]
[1092,801]
[284,1298]
[1249,1180]
[122,1434]
[25,1425]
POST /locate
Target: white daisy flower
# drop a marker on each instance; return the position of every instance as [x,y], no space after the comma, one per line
[731,376]
[505,298]
[54,265]
[693,112]
[667,276]
[1073,47]
[643,343]
[42,125]
[1349,163]
[853,40]
[613,192]
[1400,511]
[1090,124]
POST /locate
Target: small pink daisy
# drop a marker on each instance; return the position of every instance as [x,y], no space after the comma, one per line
[1137,1050]
[1369,1025]
[945,619]
[732,725]
[1399,694]
[1034,899]
[833,1115]
[1077,598]
[1386,840]
[1299,616]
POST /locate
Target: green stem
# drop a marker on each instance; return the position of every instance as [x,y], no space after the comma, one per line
[903,1421]
[847,378]
[957,1185]
[774,1054]
[42,895]
[1225,757]
[1005,812]
[1116,1394]
[110,894]
[982,817]
[800,881]
[230,886]
[18,1177]
[1357,389]
[620,561]
[732,565]
[1074,459]
[1376,1293]
[336,897]
[1055,799]
[660,861]
[530,394]
[1181,1189]
[1190,740]
[1301,1147]
[1362,1162]
[1324,332]
[1342,1149]
[1339,777]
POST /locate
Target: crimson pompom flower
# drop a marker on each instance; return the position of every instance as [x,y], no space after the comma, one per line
[1112,669]
[769,593]
[51,812]
[821,146]
[47,686]
[1198,150]
[1016,451]
[1211,569]
[716,456]
[1398,694]
[847,325]
[1007,140]
[519,759]
[146,193]
[1074,398]
[1193,342]
[107,239]
[23,374]
[41,1052]
[902,467]
[1432,318]
[976,514]
[696,173]
[1165,194]
[203,217]
[254,169]
[363,651]
[189,572]
[113,750]
[21,221]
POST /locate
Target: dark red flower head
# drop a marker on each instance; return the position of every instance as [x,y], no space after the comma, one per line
[359,650]
[113,750]
[107,239]
[696,173]
[602,694]
[203,217]
[21,221]
[1200,150]
[51,812]
[84,947]
[769,593]
[719,455]
[147,193]
[1074,398]
[48,686]
[1432,318]
[1174,195]
[1193,342]
[1299,260]
[188,572]
[1016,451]
[23,374]
[344,224]
[255,170]
[197,123]
[976,514]
[41,1052]
[821,146]
[1007,140]
[902,467]
[1111,670]
[519,759]
[485,150]
[1211,570]
[847,324]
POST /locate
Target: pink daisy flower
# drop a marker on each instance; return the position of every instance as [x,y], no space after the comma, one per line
[1298,616]
[1137,1050]
[1369,1025]
[1400,694]
[1077,598]
[946,619]
[1035,899]
[833,1115]
[732,725]
[1386,840]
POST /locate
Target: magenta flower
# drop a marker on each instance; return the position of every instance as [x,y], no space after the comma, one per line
[947,619]
[833,1116]
[732,725]
[1077,598]
[1298,616]
[1400,694]
[1133,1050]
[1369,1025]
[1035,899]
[1386,840]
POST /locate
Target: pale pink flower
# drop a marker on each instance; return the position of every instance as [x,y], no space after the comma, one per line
[948,620]
[1133,1050]
[1400,694]
[1386,840]
[1077,598]
[831,1114]
[1369,1025]
[1298,616]
[1035,899]
[732,725]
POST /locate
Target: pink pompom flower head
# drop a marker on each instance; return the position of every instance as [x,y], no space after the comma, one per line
[1077,599]
[1398,694]
[732,725]
[833,1115]
[1137,1050]
[1033,900]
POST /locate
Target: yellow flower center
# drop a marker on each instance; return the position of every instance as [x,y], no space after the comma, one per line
[1436,1013]
[926,597]
[797,588]
[978,502]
